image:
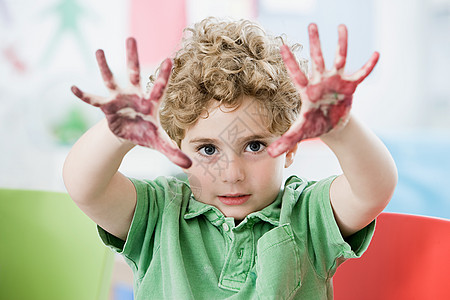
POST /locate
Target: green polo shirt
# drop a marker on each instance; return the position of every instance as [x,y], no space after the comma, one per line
[179,248]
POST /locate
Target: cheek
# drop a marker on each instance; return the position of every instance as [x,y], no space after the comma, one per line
[196,184]
[268,171]
[200,178]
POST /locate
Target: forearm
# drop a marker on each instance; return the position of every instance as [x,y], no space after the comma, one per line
[368,167]
[93,162]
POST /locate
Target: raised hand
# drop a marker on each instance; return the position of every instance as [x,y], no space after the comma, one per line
[326,96]
[131,115]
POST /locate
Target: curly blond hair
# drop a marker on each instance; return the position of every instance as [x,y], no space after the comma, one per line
[223,61]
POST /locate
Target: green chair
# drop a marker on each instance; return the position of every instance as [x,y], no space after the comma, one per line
[49,250]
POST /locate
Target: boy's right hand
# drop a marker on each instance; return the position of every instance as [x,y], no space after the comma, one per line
[131,115]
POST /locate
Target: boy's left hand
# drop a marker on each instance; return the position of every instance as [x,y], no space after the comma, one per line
[326,96]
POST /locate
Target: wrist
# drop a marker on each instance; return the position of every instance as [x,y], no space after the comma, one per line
[337,132]
[119,142]
[124,142]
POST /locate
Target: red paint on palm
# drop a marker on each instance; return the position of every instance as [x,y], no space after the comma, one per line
[131,115]
[326,96]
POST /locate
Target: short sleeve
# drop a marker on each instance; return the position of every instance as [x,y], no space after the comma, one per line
[326,246]
[150,197]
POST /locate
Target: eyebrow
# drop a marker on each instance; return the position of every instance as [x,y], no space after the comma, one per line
[239,140]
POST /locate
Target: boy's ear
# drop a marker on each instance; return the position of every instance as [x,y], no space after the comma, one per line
[290,154]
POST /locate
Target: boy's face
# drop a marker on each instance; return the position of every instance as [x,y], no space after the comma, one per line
[231,168]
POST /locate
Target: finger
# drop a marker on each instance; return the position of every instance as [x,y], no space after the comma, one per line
[161,81]
[88,98]
[341,51]
[107,75]
[283,144]
[175,155]
[292,67]
[157,139]
[362,73]
[289,139]
[133,62]
[315,49]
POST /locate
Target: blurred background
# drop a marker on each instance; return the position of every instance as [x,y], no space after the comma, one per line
[48,45]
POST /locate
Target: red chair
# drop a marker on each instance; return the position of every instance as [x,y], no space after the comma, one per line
[409,258]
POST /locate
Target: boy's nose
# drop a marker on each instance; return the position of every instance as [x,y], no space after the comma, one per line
[233,171]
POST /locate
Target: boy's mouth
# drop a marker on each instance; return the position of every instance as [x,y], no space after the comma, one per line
[234,199]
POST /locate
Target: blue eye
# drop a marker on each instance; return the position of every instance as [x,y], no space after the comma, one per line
[207,150]
[255,146]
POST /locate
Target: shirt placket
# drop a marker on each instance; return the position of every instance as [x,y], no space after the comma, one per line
[239,256]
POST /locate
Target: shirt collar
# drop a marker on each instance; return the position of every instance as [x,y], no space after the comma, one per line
[196,208]
[270,214]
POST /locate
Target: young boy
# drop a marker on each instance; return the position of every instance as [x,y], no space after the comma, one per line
[233,119]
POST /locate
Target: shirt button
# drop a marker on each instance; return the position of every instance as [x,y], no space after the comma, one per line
[225,227]
[240,253]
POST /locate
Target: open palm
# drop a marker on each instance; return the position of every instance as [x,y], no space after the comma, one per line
[326,96]
[131,114]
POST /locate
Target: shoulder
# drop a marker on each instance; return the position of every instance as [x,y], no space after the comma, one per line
[161,184]
[162,190]
[306,201]
[299,188]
